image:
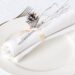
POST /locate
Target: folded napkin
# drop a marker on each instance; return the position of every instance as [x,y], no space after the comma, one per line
[16,49]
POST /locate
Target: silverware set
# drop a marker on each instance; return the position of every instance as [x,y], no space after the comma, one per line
[33,18]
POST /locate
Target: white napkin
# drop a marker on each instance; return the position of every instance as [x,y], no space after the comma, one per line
[16,51]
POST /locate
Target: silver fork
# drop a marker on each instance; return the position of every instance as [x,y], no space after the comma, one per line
[31,16]
[26,12]
[32,20]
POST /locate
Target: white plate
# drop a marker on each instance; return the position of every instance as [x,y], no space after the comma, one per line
[46,59]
